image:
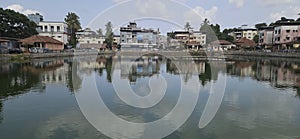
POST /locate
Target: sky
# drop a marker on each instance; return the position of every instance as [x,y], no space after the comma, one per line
[164,14]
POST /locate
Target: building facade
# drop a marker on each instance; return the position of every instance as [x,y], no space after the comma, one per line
[136,38]
[36,18]
[266,37]
[244,33]
[56,30]
[286,35]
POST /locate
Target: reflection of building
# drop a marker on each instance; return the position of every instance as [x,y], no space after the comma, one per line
[143,67]
[136,38]
[58,75]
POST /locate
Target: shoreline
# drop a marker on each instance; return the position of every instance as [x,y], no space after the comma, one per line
[178,54]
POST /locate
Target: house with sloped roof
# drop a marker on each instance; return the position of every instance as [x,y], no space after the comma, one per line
[221,45]
[42,42]
[245,43]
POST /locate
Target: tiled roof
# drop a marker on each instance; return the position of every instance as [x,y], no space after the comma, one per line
[244,42]
[221,42]
[39,39]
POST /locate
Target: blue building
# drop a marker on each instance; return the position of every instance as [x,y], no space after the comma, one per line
[35,17]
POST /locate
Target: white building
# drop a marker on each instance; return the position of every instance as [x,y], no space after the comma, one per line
[57,30]
[243,33]
[89,39]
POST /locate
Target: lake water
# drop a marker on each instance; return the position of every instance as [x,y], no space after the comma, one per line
[261,100]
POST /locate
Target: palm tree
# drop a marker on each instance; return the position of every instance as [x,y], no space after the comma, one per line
[73,23]
[187,26]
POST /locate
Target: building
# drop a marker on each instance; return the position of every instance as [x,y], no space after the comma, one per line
[133,37]
[192,39]
[266,37]
[221,45]
[42,42]
[57,30]
[9,42]
[244,33]
[36,18]
[89,39]
[245,43]
[286,35]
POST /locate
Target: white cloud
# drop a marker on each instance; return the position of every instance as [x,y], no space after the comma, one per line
[290,12]
[238,3]
[198,14]
[19,8]
[276,2]
[152,8]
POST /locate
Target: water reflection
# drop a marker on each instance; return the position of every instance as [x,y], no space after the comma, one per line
[38,75]
[277,73]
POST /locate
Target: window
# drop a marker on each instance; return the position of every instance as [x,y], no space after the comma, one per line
[99,42]
[58,36]
[58,28]
[46,28]
[52,28]
[288,31]
[288,38]
[88,41]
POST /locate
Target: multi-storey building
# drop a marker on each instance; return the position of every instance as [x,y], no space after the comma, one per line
[286,34]
[243,33]
[136,38]
[89,39]
[266,37]
[57,30]
[35,17]
[193,39]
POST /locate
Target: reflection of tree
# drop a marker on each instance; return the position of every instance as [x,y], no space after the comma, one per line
[74,81]
[1,106]
[16,81]
[108,66]
[298,92]
[206,76]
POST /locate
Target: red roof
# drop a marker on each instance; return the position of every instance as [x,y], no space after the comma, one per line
[221,42]
[244,42]
[39,39]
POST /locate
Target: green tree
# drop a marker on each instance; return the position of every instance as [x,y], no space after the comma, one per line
[187,26]
[74,25]
[171,35]
[255,38]
[260,25]
[100,32]
[15,25]
[109,35]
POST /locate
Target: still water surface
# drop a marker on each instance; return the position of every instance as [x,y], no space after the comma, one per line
[261,101]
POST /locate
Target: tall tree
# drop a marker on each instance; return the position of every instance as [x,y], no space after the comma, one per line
[73,23]
[100,32]
[15,25]
[109,35]
[187,26]
[256,38]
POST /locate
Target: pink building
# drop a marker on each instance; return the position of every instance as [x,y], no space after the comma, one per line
[286,34]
